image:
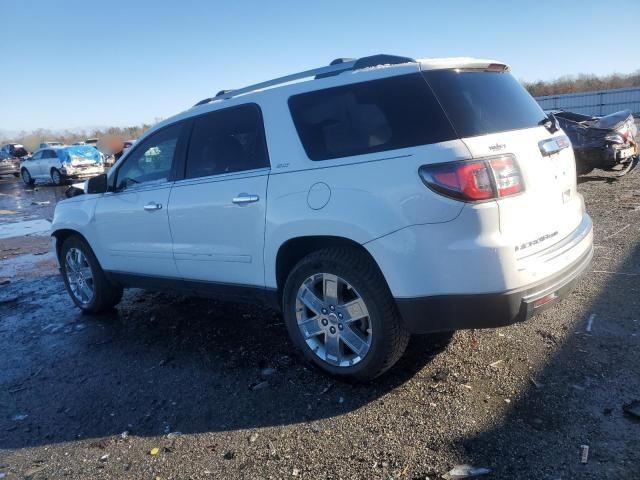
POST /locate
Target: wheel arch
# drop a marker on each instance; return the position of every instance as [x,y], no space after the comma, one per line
[295,249]
[62,234]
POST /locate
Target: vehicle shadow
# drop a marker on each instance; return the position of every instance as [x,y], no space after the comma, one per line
[577,397]
[594,178]
[161,363]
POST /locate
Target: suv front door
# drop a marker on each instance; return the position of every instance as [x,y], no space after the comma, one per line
[132,224]
[217,212]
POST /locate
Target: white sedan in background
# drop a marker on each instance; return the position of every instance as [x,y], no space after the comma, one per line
[59,164]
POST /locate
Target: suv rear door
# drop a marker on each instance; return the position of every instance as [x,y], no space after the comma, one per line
[494,115]
[217,212]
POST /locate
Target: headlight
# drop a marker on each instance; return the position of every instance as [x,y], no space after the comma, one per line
[614,138]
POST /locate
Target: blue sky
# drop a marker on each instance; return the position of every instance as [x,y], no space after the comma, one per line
[69,64]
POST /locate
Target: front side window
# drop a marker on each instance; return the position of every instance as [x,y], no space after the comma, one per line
[225,141]
[368,117]
[151,161]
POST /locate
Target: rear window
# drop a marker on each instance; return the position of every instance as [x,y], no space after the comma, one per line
[480,102]
[79,153]
[19,152]
[368,117]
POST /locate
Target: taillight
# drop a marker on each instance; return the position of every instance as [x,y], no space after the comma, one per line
[475,180]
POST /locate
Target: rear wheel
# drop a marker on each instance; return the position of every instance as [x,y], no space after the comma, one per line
[17,175]
[56,176]
[340,313]
[86,282]
[26,177]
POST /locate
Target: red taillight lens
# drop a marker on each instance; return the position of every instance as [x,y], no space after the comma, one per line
[474,180]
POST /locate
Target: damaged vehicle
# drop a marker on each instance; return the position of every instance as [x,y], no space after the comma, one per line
[608,143]
[59,164]
[11,155]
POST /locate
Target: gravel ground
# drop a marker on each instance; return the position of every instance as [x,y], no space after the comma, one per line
[85,397]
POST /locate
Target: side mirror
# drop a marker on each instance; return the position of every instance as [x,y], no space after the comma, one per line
[97,184]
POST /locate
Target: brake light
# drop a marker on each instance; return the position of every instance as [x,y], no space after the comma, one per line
[496,67]
[474,180]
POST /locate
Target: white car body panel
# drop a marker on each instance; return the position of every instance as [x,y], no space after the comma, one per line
[214,239]
[132,239]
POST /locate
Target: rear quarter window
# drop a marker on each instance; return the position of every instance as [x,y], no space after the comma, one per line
[479,102]
[368,117]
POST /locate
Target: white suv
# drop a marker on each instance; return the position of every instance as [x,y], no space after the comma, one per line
[368,200]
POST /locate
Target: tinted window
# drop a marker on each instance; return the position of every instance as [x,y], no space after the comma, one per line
[479,102]
[152,159]
[228,140]
[368,117]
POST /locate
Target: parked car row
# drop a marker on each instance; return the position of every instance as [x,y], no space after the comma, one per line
[56,162]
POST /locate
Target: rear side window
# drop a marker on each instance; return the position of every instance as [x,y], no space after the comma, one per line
[368,117]
[225,141]
[479,102]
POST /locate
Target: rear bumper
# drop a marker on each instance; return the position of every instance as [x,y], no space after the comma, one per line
[457,312]
[82,174]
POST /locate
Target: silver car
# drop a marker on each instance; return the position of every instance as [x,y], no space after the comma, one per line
[59,164]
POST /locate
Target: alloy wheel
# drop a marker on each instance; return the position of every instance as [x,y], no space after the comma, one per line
[333,319]
[79,275]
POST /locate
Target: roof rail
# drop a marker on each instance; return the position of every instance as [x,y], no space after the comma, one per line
[337,66]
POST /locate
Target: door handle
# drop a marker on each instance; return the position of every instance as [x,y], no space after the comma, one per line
[244,198]
[152,206]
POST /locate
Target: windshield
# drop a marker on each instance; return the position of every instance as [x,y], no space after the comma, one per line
[479,102]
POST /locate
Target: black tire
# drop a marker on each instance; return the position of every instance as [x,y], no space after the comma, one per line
[56,177]
[17,175]
[105,294]
[389,337]
[26,177]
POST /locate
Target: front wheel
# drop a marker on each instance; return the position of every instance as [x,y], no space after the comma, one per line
[26,177]
[86,282]
[340,313]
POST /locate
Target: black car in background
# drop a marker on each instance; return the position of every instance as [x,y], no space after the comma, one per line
[608,143]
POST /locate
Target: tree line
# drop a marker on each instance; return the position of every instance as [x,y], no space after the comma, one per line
[31,140]
[582,83]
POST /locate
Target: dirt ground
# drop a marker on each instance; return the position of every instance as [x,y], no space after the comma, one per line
[171,387]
